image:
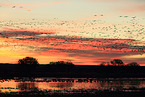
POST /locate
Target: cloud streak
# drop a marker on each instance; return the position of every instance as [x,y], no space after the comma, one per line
[68,48]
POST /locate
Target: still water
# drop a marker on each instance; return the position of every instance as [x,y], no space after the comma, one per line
[67,84]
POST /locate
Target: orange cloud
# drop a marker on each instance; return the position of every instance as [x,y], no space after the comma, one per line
[53,48]
[70,43]
[28,10]
[21,7]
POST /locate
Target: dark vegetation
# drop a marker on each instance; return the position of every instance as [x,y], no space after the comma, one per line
[30,61]
[83,94]
[118,62]
[30,67]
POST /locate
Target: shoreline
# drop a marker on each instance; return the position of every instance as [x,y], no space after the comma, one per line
[82,94]
[11,71]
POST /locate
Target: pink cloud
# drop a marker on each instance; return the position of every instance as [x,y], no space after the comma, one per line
[62,43]
[80,51]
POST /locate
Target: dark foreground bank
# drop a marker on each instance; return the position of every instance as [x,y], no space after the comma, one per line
[76,71]
[97,94]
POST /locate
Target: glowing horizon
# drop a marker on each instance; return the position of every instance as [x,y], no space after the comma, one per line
[85,32]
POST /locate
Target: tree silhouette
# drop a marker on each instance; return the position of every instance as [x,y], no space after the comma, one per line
[117,62]
[61,63]
[28,61]
[62,66]
[133,64]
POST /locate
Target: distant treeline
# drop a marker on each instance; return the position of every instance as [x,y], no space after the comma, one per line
[33,62]
[30,67]
[118,62]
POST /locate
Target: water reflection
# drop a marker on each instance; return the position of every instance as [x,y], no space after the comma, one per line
[55,85]
[8,86]
[27,86]
[71,84]
[62,85]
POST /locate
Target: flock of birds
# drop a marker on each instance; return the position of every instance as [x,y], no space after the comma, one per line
[130,28]
[96,28]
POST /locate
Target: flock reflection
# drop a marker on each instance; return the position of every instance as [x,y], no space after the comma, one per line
[27,86]
[13,85]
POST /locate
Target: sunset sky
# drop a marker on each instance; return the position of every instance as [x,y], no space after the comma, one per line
[85,32]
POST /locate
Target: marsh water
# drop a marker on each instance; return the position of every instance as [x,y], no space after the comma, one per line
[71,84]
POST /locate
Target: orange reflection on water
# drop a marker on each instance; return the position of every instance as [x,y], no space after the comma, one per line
[55,85]
[27,86]
[41,84]
[8,86]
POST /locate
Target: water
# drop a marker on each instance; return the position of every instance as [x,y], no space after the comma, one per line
[71,85]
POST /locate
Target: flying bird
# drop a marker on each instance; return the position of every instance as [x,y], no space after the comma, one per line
[13,6]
